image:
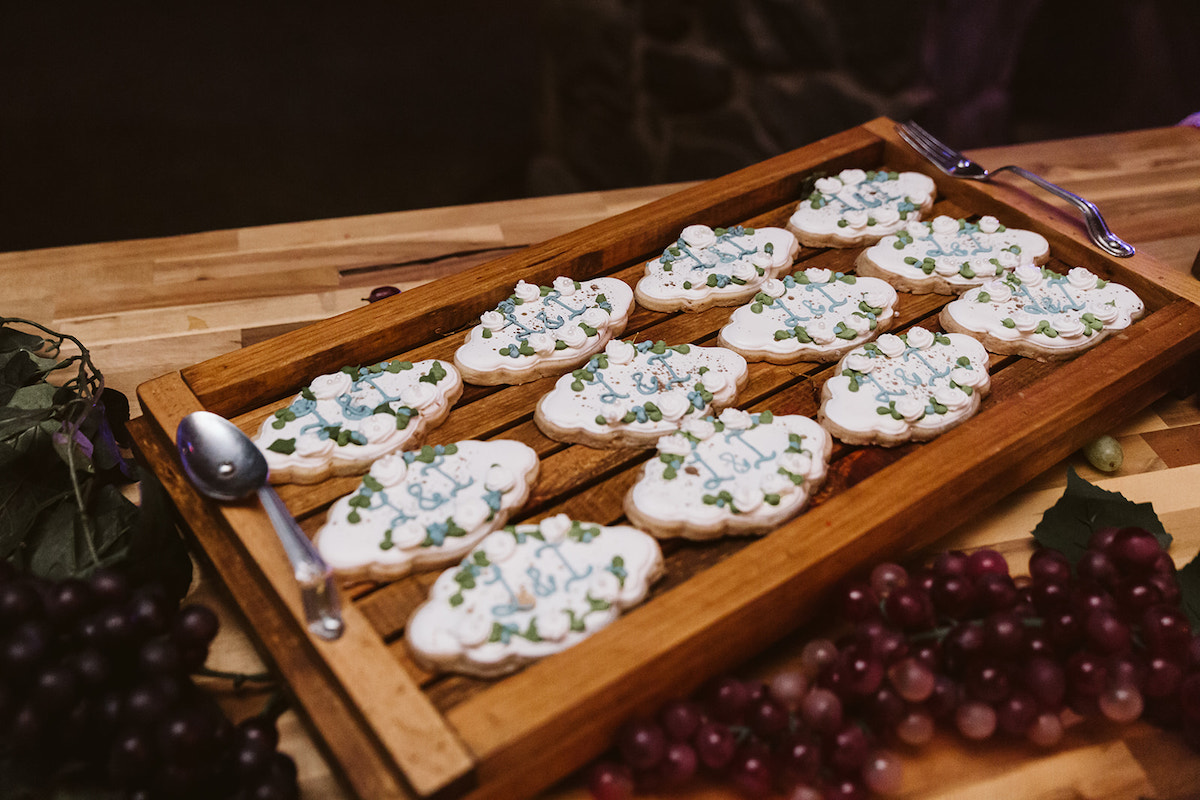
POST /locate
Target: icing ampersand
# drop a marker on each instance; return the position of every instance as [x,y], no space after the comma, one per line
[343,421]
[1056,315]
[427,507]
[738,473]
[528,591]
[949,256]
[910,387]
[814,313]
[633,393]
[714,266]
[540,330]
[857,206]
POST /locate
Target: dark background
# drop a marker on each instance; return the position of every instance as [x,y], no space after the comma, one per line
[123,122]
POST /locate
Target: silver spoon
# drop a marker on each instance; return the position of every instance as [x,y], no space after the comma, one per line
[223,463]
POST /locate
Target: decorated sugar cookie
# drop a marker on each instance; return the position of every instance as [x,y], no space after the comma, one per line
[907,388]
[949,256]
[426,508]
[739,473]
[709,267]
[814,314]
[529,591]
[544,330]
[856,207]
[631,394]
[343,421]
[1039,313]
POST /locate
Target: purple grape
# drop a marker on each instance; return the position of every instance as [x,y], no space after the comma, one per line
[715,744]
[641,743]
[680,719]
[986,561]
[195,626]
[750,770]
[679,764]
[381,293]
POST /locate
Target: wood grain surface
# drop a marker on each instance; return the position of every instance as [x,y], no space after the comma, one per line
[149,308]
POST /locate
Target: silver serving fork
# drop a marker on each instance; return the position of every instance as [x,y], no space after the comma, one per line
[952,162]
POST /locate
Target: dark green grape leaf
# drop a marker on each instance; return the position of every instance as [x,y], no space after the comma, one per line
[1084,509]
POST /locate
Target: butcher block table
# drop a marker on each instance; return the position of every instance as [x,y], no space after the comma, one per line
[153,307]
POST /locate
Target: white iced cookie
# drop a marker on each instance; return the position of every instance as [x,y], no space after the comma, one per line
[857,207]
[529,591]
[1038,313]
[814,314]
[544,330]
[949,256]
[426,508]
[631,394]
[907,388]
[739,473]
[344,421]
[709,267]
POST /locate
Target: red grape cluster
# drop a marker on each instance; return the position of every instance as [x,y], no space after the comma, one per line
[959,644]
[96,688]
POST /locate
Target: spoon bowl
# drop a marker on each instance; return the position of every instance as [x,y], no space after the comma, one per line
[226,465]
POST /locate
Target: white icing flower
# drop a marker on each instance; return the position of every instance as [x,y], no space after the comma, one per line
[700,427]
[473,629]
[1025,321]
[674,406]
[542,343]
[818,275]
[1081,278]
[604,586]
[389,470]
[989,224]
[744,271]
[471,512]
[796,463]
[526,292]
[998,290]
[698,236]
[886,215]
[595,317]
[917,229]
[775,483]
[919,338]
[499,478]
[852,177]
[747,498]
[952,397]
[735,419]
[1008,259]
[945,225]
[761,258]
[553,625]
[619,352]
[554,529]
[910,408]
[409,534]
[327,387]
[821,331]
[418,395]
[945,267]
[890,345]
[674,444]
[774,288]
[981,266]
[312,447]
[828,185]
[564,286]
[856,218]
[1029,275]
[611,412]
[713,380]
[1105,312]
[888,425]
[573,336]
[492,320]
[967,377]
[1068,326]
[859,362]
[859,325]
[378,428]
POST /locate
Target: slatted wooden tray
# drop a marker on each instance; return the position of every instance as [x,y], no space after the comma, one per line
[396,731]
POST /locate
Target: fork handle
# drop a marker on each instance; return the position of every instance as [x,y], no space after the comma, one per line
[1104,238]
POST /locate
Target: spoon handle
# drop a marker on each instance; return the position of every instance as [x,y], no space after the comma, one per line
[318,591]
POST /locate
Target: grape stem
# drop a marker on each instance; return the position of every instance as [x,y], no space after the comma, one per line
[239,679]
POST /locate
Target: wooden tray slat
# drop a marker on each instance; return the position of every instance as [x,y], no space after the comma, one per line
[401,731]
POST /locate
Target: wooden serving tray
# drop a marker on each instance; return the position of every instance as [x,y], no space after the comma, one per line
[396,731]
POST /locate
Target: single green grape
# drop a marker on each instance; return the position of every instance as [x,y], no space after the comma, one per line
[1105,454]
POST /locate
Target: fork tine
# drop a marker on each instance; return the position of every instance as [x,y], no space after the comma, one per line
[948,155]
[937,157]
